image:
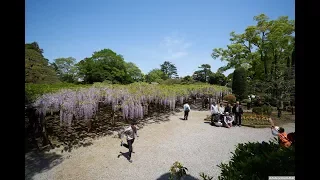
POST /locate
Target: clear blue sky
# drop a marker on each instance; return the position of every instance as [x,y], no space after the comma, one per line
[146,32]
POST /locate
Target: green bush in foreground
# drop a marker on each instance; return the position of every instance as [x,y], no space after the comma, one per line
[255,161]
[258,161]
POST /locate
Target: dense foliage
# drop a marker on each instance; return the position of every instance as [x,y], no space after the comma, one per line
[266,51]
[104,65]
[263,110]
[37,68]
[239,83]
[218,78]
[169,70]
[230,98]
[258,161]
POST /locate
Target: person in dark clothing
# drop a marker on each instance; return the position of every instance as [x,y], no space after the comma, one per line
[228,109]
[237,111]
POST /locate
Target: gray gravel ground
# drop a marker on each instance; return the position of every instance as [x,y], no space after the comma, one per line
[197,145]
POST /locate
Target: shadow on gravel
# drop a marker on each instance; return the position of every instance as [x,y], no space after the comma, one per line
[126,155]
[38,162]
[167,175]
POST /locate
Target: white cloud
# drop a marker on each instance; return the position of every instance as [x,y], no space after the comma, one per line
[174,47]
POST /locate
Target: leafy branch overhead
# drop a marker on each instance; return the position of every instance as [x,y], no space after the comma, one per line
[265,51]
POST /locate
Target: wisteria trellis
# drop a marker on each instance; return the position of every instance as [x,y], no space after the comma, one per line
[82,104]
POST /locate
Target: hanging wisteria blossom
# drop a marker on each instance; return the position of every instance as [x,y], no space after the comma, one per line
[133,100]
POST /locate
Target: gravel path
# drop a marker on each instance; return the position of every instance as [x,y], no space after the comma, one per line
[197,145]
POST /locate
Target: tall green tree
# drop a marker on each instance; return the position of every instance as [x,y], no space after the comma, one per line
[104,65]
[134,73]
[35,46]
[202,74]
[169,70]
[65,68]
[88,71]
[155,75]
[265,51]
[37,68]
[239,83]
[218,79]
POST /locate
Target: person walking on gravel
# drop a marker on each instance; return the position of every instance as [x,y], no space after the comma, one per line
[186,109]
[131,133]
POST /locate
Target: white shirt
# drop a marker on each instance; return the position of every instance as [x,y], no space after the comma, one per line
[214,109]
[129,133]
[186,106]
[221,109]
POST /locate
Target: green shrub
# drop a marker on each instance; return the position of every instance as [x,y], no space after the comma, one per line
[230,98]
[267,110]
[257,110]
[263,110]
[246,101]
[258,161]
[177,171]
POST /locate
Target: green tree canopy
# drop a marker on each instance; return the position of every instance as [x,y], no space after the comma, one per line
[65,68]
[264,50]
[37,69]
[203,74]
[155,75]
[169,70]
[134,73]
[104,65]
